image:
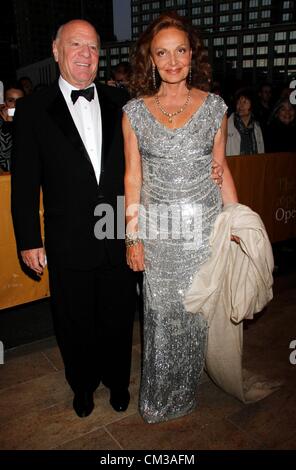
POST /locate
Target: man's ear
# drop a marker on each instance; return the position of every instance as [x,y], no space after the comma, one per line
[55,51]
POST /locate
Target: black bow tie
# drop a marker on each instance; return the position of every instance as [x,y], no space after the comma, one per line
[87,93]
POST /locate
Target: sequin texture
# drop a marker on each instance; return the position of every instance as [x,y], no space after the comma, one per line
[179,204]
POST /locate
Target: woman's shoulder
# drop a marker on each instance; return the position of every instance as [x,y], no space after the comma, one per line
[132,105]
[218,101]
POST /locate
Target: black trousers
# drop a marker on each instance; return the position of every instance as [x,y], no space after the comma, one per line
[93,313]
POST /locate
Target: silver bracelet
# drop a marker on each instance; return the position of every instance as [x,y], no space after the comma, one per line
[132,238]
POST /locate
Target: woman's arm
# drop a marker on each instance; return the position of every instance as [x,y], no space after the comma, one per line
[132,185]
[228,190]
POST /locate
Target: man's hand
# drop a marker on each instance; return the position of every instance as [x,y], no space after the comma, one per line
[217,173]
[34,259]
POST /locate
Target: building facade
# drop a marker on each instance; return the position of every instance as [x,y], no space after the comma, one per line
[248,39]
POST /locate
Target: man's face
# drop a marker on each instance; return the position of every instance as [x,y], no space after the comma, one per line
[266,93]
[77,52]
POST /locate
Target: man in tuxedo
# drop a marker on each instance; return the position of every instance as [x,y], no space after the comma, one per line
[68,140]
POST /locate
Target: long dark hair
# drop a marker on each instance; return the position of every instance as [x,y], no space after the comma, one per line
[141,82]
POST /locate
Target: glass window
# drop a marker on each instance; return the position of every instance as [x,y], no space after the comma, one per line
[262,50]
[292,34]
[218,41]
[248,51]
[237,17]
[253,15]
[169,3]
[279,61]
[224,19]
[262,38]
[182,12]
[145,6]
[102,52]
[236,5]
[155,5]
[135,8]
[286,4]
[253,3]
[261,62]
[181,2]
[224,7]
[249,38]
[292,48]
[231,52]
[266,2]
[248,63]
[208,20]
[280,36]
[124,50]
[196,21]
[114,51]
[292,61]
[280,49]
[265,14]
[196,10]
[232,40]
[286,16]
[145,18]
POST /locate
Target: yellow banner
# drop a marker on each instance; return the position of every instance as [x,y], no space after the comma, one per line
[267,184]
[16,287]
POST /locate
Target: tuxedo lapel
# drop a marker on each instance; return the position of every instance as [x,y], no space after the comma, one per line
[59,112]
[108,115]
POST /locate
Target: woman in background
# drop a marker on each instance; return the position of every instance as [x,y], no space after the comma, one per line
[281,128]
[244,135]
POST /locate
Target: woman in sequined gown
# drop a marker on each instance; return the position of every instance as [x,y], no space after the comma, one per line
[173,131]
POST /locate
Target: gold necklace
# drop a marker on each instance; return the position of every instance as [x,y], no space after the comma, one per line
[171,115]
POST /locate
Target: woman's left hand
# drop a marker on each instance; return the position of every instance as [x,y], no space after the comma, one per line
[217,173]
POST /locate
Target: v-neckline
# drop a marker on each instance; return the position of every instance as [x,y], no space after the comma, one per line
[175,129]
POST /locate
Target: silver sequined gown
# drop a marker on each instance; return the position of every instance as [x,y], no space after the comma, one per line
[178,200]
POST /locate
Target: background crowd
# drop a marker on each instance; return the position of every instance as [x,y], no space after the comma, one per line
[261,119]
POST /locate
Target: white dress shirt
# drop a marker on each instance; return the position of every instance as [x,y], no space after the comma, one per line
[87,118]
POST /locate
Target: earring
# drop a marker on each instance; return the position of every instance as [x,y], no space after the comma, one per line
[154,76]
[190,75]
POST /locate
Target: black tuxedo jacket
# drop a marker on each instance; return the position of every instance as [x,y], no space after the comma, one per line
[49,153]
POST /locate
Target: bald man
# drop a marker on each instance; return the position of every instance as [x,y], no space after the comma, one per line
[69,142]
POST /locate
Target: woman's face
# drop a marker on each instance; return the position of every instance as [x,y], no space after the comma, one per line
[11,96]
[243,106]
[171,54]
[286,113]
